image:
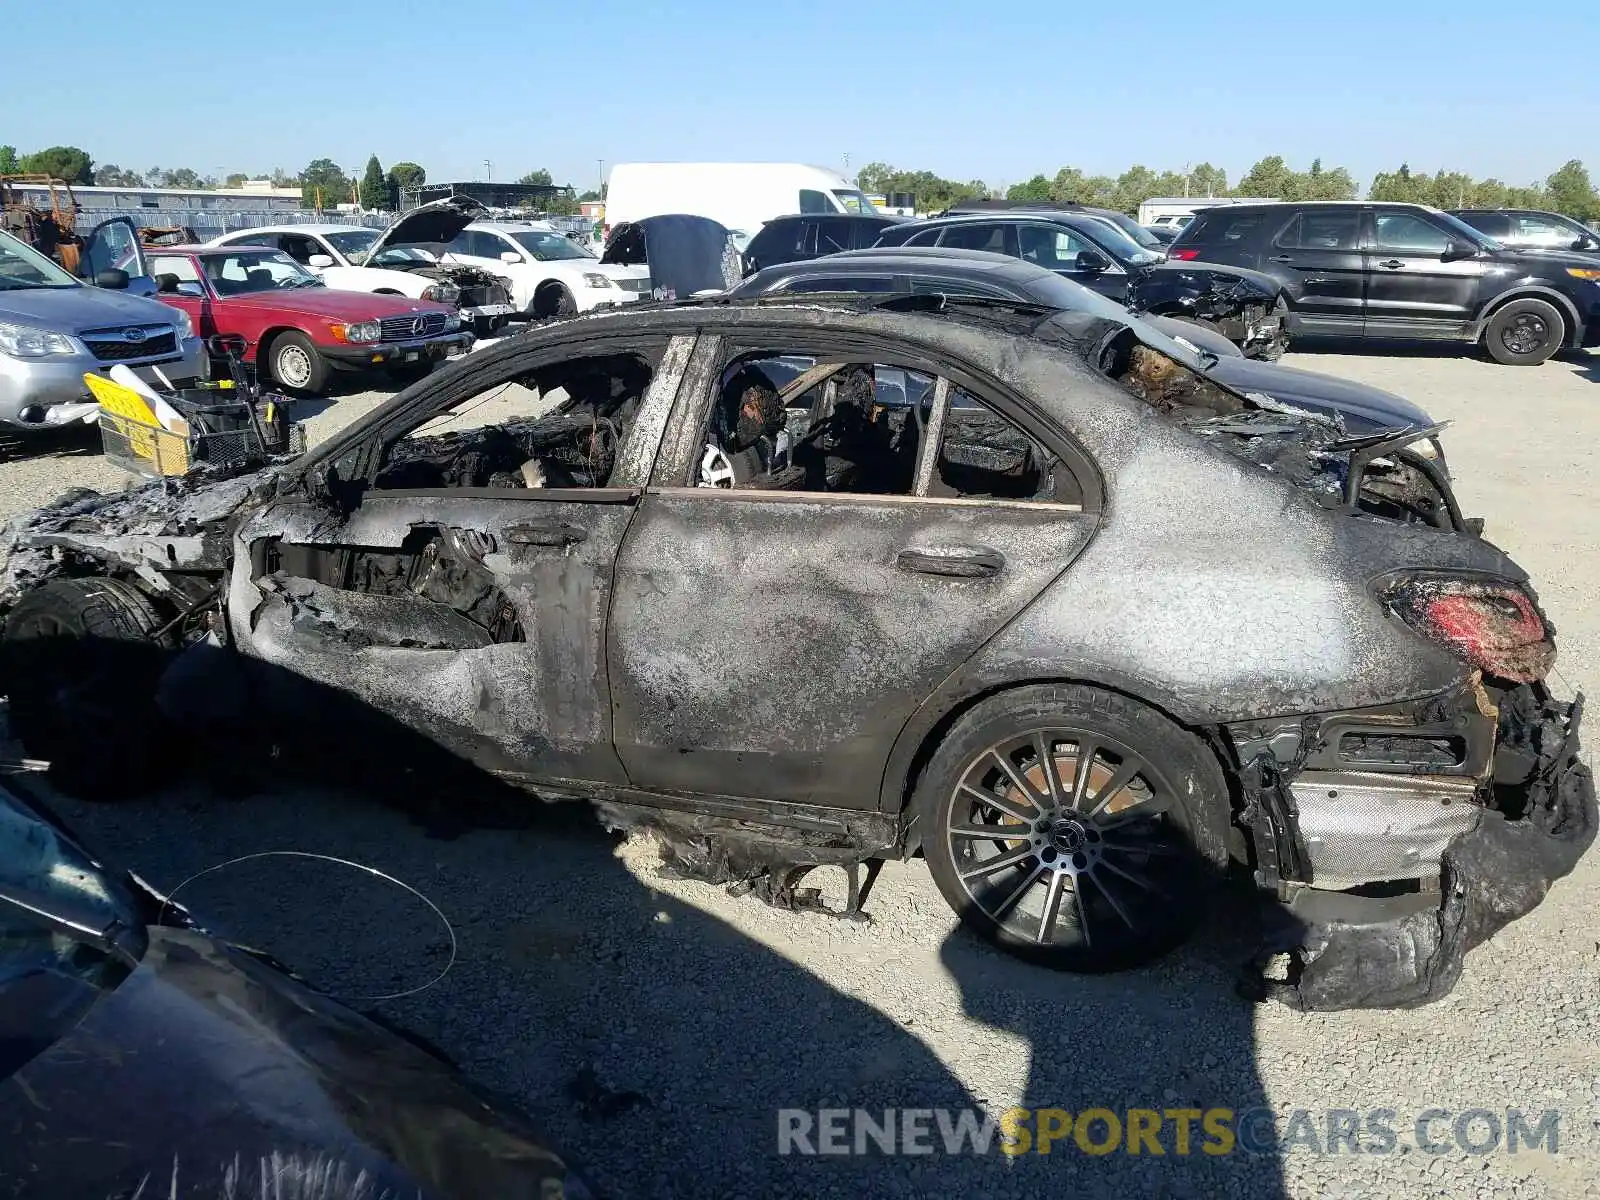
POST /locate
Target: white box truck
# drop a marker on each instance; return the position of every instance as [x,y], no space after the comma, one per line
[742,196]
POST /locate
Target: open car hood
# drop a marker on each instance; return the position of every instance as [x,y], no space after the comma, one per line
[438,221]
[685,254]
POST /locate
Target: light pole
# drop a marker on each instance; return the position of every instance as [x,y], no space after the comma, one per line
[601,190]
[488,171]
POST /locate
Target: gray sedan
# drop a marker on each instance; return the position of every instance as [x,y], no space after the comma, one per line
[1079,624]
[54,329]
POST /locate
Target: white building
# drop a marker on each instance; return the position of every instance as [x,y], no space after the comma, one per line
[1177,206]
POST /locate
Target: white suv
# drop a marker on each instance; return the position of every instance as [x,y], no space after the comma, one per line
[551,275]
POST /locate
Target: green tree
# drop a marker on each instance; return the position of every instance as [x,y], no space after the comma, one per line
[1401,187]
[374,186]
[323,184]
[1136,184]
[541,177]
[1207,180]
[64,162]
[181,177]
[1318,184]
[8,161]
[1532,196]
[406,176]
[235,179]
[112,175]
[1035,189]
[590,196]
[1489,193]
[1268,178]
[282,179]
[1570,191]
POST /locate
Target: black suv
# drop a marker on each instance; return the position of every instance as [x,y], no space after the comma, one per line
[811,235]
[1357,269]
[1087,248]
[1531,229]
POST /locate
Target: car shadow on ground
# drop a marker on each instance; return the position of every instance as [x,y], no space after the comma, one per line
[73,441]
[1585,364]
[1385,348]
[662,1046]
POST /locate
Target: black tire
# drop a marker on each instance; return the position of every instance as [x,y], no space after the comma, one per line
[81,667]
[1524,333]
[554,300]
[1142,856]
[294,363]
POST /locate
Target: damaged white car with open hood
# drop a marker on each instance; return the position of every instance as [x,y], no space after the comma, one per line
[405,259]
[1091,632]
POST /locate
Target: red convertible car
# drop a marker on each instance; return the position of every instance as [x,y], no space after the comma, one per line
[296,330]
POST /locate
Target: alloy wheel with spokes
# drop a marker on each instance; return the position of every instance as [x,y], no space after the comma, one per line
[1073,841]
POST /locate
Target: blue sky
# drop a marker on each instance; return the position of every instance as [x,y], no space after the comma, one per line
[996,92]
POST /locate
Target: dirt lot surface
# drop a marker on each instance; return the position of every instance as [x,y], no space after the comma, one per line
[656,1027]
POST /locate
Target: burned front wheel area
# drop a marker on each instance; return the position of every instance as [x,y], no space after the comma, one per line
[82,659]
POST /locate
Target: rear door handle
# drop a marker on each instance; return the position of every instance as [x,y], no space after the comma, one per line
[1393,264]
[551,534]
[955,562]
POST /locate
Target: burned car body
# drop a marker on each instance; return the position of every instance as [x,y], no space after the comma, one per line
[230,1077]
[1081,625]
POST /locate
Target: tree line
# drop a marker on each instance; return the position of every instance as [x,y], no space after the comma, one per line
[1567,190]
[322,183]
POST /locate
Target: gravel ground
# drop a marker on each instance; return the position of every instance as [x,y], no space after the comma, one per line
[688,1018]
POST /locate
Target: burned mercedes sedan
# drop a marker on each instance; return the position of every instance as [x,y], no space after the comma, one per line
[825,581]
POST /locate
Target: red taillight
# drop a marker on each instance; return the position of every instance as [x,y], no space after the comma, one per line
[1183,255]
[1494,626]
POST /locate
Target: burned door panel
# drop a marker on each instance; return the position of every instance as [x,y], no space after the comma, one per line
[475,620]
[774,644]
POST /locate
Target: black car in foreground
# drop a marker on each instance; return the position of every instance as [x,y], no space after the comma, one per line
[1244,306]
[141,1057]
[1531,229]
[1081,625]
[932,271]
[811,235]
[1370,270]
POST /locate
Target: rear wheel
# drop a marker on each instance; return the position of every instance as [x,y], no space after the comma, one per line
[81,666]
[1073,826]
[294,362]
[1524,333]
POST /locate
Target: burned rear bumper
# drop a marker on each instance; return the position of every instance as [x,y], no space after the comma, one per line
[1339,950]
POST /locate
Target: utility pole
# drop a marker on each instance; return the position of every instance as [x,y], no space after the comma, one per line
[1187,169]
[488,171]
[601,190]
